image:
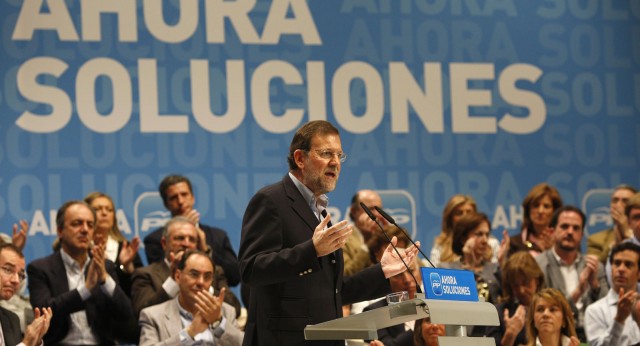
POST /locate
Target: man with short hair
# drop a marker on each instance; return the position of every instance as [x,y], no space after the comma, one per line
[177,195]
[11,275]
[154,283]
[580,278]
[613,320]
[82,290]
[600,243]
[195,315]
[291,254]
[355,251]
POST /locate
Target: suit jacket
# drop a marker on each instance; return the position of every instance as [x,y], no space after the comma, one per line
[146,287]
[554,279]
[291,286]
[161,325]
[599,244]
[10,327]
[222,252]
[107,316]
[394,335]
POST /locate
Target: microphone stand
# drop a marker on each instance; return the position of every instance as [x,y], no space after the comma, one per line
[375,219]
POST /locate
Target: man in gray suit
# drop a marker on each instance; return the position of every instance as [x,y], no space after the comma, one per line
[154,283]
[579,277]
[195,315]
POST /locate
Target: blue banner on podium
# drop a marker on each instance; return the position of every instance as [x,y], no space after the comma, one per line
[449,284]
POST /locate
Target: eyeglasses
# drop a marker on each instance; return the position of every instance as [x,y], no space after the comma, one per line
[326,154]
[10,271]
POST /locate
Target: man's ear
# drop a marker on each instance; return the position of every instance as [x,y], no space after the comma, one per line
[176,275]
[298,157]
[163,242]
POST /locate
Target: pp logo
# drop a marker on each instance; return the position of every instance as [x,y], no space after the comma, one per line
[402,207]
[149,213]
[596,204]
[436,284]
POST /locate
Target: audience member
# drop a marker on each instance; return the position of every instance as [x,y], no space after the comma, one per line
[470,244]
[550,321]
[521,279]
[11,276]
[613,320]
[154,284]
[117,249]
[378,242]
[632,213]
[195,316]
[537,208]
[19,301]
[355,251]
[178,198]
[598,244]
[456,207]
[426,333]
[82,291]
[580,278]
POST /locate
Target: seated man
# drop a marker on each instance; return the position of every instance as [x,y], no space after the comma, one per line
[195,315]
[11,276]
[154,284]
[613,320]
[83,292]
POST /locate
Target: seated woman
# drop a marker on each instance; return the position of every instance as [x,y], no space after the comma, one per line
[456,207]
[426,333]
[470,242]
[537,208]
[550,320]
[521,279]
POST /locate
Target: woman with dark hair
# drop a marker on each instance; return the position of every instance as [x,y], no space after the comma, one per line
[426,333]
[471,243]
[537,208]
[550,320]
[521,279]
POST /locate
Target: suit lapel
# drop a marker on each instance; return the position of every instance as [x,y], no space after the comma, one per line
[172,319]
[299,205]
[554,271]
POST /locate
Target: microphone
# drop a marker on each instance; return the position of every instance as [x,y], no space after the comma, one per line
[393,222]
[375,219]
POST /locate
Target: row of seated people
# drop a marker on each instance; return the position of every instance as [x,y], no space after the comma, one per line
[550,236]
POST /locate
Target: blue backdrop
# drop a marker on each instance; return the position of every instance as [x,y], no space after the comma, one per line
[433,98]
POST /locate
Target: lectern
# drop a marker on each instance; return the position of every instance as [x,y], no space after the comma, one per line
[455,315]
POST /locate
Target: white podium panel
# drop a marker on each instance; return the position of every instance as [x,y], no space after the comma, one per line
[454,315]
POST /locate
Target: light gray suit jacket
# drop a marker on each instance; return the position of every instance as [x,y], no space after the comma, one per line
[160,325]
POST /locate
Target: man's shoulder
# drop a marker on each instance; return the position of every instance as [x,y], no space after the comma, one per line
[600,236]
[154,236]
[9,314]
[44,262]
[154,311]
[543,258]
[213,230]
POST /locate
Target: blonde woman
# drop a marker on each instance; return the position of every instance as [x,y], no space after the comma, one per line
[550,320]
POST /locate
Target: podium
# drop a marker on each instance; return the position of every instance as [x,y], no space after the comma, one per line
[455,315]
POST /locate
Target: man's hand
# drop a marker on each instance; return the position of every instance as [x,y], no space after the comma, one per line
[505,244]
[194,216]
[592,262]
[97,273]
[546,239]
[331,239]
[391,263]
[626,303]
[209,310]
[620,224]
[128,254]
[19,238]
[38,328]
[174,259]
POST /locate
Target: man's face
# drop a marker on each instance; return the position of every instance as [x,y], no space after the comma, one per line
[403,282]
[568,231]
[180,237]
[196,276]
[371,199]
[619,199]
[11,273]
[77,232]
[624,270]
[319,174]
[634,221]
[180,199]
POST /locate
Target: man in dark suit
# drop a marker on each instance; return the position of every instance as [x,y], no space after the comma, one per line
[82,291]
[291,255]
[154,283]
[11,276]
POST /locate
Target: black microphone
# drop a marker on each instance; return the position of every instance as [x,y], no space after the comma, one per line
[393,222]
[375,219]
